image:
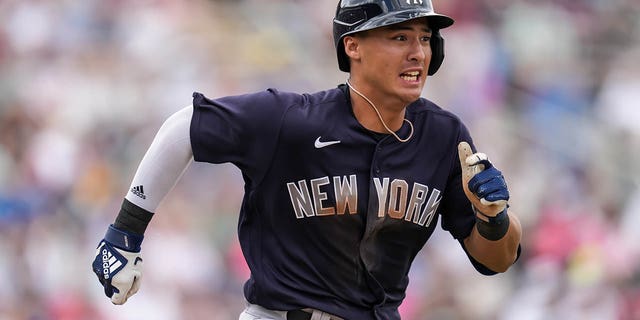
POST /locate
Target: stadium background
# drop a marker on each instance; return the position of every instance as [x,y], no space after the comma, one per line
[549,89]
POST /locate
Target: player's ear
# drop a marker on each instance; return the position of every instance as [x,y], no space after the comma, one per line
[351,47]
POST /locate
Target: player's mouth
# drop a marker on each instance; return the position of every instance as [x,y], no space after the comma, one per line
[411,76]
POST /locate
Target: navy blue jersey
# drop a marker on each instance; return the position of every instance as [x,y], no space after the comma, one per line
[333,214]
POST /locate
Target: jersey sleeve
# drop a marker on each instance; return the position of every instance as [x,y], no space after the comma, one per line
[457,214]
[242,129]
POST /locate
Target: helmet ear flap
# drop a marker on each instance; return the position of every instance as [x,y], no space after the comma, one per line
[437,52]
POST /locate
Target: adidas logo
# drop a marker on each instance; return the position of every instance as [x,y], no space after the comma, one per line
[110,263]
[138,191]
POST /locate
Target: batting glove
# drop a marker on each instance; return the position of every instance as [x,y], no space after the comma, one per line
[483,184]
[118,264]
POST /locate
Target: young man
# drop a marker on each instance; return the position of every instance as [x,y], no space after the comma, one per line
[343,187]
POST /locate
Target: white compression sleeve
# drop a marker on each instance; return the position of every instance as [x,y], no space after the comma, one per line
[164,162]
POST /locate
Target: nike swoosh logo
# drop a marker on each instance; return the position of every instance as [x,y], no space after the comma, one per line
[321,144]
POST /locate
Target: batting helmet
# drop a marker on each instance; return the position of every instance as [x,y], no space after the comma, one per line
[359,15]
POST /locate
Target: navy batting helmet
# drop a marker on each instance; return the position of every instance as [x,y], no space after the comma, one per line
[359,15]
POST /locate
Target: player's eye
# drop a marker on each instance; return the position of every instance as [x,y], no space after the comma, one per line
[426,38]
[400,38]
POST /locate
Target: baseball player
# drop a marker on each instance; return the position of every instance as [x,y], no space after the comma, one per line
[343,187]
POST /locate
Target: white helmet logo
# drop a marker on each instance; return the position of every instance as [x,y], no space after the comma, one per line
[414,1]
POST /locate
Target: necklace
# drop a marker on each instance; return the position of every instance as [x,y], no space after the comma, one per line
[380,116]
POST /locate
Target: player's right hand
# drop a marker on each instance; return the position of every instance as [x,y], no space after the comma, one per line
[118,264]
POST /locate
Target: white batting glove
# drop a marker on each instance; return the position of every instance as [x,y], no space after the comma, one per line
[118,264]
[483,184]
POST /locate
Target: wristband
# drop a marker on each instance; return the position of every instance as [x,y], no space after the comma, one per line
[496,228]
[132,218]
[123,240]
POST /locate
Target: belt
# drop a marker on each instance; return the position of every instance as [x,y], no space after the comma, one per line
[298,315]
[307,314]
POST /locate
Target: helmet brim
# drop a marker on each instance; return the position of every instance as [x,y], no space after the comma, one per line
[435,20]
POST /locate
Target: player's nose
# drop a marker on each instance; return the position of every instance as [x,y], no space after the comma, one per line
[418,51]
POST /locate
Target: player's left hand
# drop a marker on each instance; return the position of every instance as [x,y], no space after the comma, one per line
[483,184]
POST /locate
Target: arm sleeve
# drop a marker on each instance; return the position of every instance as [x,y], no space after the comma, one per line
[164,162]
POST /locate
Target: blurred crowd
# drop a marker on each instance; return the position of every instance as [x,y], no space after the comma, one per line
[550,90]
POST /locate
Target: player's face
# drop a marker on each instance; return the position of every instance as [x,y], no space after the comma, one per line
[394,61]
